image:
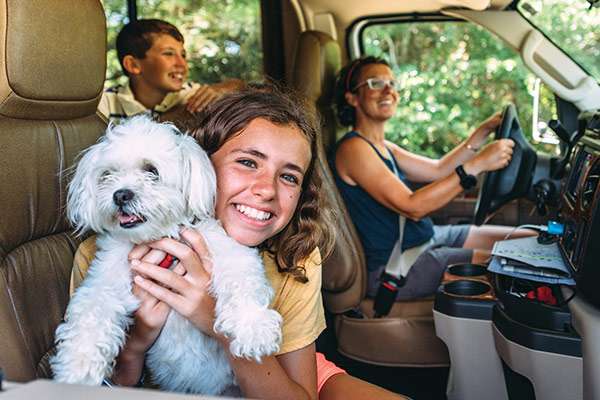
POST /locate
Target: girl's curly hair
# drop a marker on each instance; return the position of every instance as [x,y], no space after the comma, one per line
[346,82]
[311,225]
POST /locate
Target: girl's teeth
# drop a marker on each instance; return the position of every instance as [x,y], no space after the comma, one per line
[253,213]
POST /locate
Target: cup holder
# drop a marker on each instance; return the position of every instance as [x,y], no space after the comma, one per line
[467,288]
[467,269]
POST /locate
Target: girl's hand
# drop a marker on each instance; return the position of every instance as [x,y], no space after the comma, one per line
[480,134]
[495,155]
[149,319]
[188,293]
[152,313]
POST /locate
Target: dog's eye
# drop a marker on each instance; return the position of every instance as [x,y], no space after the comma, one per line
[105,174]
[151,169]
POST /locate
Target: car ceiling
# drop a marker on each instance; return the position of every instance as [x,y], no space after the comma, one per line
[346,11]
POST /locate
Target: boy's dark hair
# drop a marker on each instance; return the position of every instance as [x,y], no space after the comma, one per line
[136,37]
[346,82]
[311,225]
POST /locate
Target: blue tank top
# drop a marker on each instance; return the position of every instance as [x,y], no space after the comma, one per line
[377,225]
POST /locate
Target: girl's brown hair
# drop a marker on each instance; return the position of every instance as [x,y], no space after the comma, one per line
[311,225]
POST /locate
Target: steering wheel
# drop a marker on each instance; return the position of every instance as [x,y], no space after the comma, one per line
[513,181]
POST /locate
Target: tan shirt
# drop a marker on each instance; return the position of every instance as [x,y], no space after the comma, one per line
[299,304]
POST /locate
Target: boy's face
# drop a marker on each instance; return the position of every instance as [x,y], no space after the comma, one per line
[164,68]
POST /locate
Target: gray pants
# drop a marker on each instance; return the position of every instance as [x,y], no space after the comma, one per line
[426,273]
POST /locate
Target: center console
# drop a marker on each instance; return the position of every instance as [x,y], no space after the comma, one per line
[462,315]
[506,340]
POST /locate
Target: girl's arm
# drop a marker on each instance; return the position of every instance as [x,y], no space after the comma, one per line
[148,322]
[288,376]
[149,318]
[358,164]
[423,169]
[292,375]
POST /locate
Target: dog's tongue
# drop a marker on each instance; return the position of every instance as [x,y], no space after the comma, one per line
[126,218]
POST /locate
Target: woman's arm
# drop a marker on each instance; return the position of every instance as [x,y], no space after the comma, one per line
[358,164]
[292,375]
[423,169]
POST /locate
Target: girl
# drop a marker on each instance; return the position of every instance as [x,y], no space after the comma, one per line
[372,175]
[263,146]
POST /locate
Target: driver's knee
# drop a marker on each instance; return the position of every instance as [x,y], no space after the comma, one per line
[480,256]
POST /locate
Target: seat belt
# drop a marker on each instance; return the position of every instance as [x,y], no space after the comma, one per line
[397,268]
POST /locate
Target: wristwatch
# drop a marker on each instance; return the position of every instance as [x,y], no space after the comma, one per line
[467,181]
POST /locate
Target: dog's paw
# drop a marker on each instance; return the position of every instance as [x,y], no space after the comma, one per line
[79,370]
[81,359]
[260,337]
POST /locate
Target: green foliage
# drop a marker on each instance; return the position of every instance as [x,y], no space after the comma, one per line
[572,25]
[454,75]
[222,37]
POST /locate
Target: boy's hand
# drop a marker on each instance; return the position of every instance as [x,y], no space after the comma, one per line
[207,94]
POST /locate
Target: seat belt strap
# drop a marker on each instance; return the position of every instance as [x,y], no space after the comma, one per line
[397,267]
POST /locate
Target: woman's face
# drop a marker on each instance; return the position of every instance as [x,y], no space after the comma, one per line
[374,104]
[259,180]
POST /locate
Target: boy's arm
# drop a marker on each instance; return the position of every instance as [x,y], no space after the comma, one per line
[207,94]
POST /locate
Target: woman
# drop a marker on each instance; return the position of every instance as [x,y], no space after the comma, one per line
[372,175]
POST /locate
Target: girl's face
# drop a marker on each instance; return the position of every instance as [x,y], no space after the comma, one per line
[259,180]
[374,104]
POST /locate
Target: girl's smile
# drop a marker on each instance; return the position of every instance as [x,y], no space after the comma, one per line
[259,174]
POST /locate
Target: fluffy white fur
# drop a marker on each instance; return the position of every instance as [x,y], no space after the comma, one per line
[171,183]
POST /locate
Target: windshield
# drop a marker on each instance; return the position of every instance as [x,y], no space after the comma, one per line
[573,25]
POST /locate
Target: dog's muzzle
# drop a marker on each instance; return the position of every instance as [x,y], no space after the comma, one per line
[122,198]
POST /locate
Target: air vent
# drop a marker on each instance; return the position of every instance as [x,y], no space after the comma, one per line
[590,186]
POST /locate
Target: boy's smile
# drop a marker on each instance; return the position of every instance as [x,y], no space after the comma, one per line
[163,70]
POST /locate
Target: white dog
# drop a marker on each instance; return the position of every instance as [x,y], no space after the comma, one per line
[143,181]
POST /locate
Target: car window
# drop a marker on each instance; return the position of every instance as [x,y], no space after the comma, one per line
[453,76]
[572,24]
[217,47]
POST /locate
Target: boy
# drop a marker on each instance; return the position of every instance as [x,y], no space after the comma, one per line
[152,55]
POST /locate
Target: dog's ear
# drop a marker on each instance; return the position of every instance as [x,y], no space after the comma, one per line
[81,194]
[199,182]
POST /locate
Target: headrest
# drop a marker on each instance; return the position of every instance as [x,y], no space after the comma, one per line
[317,62]
[53,58]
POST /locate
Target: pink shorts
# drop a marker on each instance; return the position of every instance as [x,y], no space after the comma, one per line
[325,370]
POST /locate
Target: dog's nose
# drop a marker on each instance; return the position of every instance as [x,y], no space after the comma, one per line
[122,196]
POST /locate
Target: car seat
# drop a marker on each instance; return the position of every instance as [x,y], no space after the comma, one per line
[406,337]
[51,78]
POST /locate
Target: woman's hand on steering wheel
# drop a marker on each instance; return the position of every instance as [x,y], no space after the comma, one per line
[481,133]
[494,156]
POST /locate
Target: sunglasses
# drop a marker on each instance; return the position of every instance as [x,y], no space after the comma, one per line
[378,84]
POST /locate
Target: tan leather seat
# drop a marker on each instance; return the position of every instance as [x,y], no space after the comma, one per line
[407,336]
[51,78]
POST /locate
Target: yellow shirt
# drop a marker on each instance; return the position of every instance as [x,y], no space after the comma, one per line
[299,304]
